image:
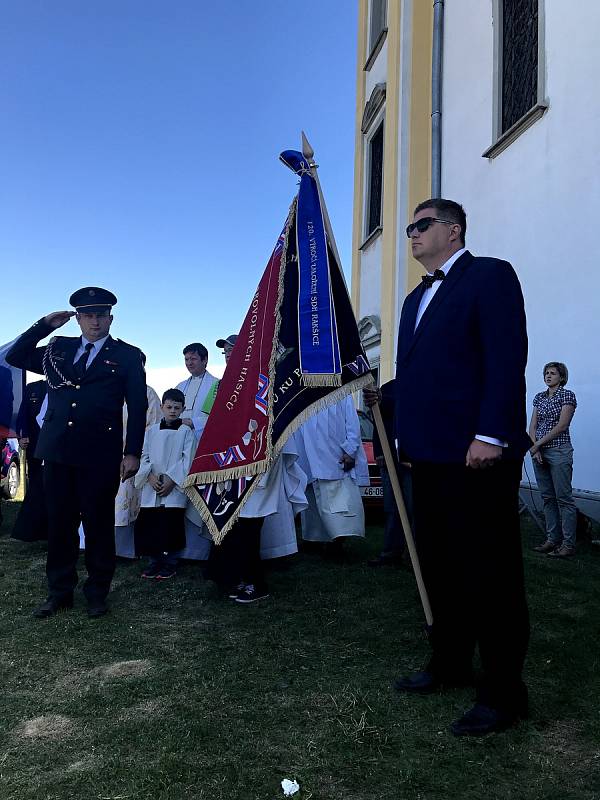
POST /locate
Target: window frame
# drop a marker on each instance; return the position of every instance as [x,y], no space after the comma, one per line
[502,139]
[375,44]
[377,125]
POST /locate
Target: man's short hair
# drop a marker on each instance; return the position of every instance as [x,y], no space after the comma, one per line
[196,347]
[563,372]
[175,395]
[447,209]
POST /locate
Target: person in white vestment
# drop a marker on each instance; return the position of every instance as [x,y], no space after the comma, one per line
[169,447]
[199,389]
[331,453]
[127,501]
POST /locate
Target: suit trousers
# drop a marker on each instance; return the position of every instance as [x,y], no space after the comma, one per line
[468,538]
[77,494]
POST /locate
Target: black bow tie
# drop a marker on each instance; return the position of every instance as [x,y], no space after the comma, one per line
[429,280]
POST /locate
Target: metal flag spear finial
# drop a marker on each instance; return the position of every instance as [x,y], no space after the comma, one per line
[309,155]
[307,150]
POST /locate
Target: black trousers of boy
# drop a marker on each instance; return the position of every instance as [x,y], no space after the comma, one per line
[237,559]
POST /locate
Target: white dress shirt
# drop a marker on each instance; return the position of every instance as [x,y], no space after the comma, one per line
[431,290]
[95,349]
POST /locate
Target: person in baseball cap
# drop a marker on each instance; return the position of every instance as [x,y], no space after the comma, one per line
[227,345]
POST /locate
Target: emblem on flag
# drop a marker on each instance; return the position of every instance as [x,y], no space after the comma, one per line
[229,456]
[359,366]
[260,401]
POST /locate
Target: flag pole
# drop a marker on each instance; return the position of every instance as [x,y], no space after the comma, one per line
[309,155]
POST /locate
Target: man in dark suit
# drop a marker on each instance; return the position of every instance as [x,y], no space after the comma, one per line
[81,441]
[461,422]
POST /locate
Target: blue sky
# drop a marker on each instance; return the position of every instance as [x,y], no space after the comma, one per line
[140,144]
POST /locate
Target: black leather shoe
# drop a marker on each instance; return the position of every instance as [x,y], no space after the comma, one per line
[52,606]
[97,608]
[482,720]
[426,683]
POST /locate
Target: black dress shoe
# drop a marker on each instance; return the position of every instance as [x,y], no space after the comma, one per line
[426,683]
[97,608]
[52,606]
[482,720]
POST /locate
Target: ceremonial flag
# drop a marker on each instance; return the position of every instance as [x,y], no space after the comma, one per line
[298,351]
[12,381]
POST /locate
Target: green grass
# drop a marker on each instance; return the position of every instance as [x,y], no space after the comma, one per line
[179,694]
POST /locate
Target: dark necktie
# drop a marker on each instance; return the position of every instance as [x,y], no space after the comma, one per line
[429,280]
[80,365]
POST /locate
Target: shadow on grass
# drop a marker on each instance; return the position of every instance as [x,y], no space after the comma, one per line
[181,694]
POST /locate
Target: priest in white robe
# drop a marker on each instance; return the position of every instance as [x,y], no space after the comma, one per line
[331,453]
[199,389]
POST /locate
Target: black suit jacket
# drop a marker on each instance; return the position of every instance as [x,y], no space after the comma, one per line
[462,371]
[84,420]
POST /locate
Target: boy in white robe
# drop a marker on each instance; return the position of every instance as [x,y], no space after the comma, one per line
[331,453]
[168,450]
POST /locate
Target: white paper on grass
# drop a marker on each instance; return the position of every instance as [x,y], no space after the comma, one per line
[289,787]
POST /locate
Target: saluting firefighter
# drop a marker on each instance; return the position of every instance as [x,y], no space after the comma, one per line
[81,440]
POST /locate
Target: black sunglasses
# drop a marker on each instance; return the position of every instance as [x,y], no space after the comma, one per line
[424,223]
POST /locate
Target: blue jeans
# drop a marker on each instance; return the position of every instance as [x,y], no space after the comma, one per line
[553,478]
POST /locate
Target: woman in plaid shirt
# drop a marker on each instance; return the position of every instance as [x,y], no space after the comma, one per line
[552,456]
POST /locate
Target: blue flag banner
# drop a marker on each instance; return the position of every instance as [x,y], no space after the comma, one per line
[320,362]
[11,393]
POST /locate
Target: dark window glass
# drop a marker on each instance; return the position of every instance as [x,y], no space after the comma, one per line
[375,180]
[378,9]
[519,59]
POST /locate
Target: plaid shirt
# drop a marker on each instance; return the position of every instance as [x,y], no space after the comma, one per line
[548,412]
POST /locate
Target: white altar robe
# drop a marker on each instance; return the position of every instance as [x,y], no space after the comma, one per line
[169,452]
[127,501]
[335,505]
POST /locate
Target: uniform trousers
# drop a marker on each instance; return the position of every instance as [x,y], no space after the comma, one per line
[74,494]
[468,538]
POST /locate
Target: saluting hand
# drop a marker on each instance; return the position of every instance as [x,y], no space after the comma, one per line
[58,318]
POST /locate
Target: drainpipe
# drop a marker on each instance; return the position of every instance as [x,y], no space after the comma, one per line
[436,98]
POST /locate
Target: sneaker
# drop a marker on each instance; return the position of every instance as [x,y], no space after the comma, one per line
[164,574]
[250,594]
[151,572]
[562,552]
[233,593]
[547,547]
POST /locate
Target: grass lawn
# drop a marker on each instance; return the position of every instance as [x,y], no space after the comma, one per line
[179,694]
